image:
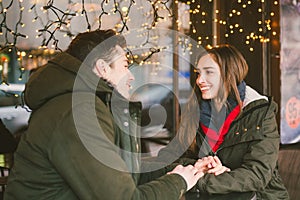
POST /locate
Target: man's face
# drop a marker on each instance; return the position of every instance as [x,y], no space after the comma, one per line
[209,77]
[120,76]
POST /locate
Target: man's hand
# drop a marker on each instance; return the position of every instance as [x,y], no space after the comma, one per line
[190,174]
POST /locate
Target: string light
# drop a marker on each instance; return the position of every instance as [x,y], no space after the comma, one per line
[153,17]
[233,24]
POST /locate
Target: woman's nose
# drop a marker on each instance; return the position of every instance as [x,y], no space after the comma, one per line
[200,79]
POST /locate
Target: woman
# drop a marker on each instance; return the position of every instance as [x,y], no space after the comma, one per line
[237,125]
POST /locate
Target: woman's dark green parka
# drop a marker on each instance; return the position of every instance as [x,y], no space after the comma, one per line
[250,150]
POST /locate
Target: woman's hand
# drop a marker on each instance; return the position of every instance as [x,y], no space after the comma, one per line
[211,165]
[205,163]
[190,174]
[218,168]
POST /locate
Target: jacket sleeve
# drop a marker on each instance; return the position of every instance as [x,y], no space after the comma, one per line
[257,165]
[91,165]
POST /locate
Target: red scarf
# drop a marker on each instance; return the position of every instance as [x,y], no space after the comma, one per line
[216,138]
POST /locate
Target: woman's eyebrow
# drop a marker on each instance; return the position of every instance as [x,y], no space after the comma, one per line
[204,68]
[208,67]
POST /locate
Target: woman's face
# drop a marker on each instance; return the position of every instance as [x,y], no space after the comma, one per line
[209,77]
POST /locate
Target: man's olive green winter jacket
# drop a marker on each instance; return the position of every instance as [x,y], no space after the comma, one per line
[79,145]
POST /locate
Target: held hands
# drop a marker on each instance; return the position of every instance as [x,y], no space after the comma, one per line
[211,165]
[190,174]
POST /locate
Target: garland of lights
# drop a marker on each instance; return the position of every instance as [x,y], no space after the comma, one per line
[61,24]
[63,18]
[260,35]
[8,30]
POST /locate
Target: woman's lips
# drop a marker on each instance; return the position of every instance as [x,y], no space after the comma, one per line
[204,88]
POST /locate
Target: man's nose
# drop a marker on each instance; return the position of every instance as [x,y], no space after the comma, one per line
[130,75]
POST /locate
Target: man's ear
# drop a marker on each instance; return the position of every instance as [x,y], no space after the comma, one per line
[101,68]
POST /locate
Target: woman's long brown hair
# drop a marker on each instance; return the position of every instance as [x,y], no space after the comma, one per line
[233,68]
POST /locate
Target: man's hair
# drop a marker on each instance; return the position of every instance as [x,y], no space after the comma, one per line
[85,43]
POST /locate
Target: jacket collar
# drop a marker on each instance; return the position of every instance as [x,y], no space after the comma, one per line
[82,71]
[251,95]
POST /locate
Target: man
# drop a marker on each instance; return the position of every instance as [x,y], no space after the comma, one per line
[82,140]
